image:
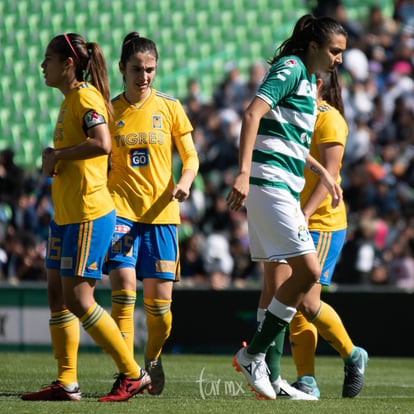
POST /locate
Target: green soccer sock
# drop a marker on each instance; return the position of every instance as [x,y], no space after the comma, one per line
[274,355]
[266,333]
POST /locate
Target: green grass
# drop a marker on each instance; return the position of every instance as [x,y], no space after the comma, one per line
[389,387]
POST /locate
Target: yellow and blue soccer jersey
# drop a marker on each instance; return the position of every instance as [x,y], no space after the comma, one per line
[140,177]
[79,189]
[330,128]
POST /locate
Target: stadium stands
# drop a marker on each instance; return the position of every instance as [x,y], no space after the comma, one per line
[196,38]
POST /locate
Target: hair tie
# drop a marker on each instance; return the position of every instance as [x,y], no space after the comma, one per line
[73,50]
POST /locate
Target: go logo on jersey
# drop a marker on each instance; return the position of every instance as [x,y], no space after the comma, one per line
[139,157]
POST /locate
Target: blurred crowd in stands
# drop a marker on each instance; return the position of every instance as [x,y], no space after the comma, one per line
[377,174]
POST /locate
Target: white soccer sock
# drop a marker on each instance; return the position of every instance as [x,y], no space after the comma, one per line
[286,313]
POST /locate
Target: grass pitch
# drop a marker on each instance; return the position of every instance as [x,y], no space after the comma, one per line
[205,384]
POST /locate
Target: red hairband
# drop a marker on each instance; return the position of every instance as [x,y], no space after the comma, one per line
[73,50]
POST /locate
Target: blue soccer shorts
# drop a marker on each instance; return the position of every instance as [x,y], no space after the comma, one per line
[151,248]
[79,249]
[328,246]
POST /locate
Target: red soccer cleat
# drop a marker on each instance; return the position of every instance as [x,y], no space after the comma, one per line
[53,392]
[124,388]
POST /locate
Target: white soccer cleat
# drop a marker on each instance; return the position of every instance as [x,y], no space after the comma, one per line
[284,390]
[255,369]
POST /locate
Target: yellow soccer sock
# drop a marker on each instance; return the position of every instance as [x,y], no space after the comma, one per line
[65,334]
[104,331]
[331,328]
[159,322]
[123,306]
[303,337]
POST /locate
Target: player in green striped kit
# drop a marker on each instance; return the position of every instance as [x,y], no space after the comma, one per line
[274,150]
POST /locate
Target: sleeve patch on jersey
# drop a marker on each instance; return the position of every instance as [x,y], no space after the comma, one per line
[139,157]
[92,119]
[290,62]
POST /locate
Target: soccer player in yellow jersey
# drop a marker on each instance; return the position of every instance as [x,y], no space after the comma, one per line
[147,127]
[327,227]
[84,220]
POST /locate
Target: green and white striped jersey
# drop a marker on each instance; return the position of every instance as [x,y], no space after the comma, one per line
[285,132]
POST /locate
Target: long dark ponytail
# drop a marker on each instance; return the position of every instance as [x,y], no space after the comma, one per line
[308,29]
[90,65]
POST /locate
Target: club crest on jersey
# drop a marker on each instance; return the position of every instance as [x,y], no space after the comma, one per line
[92,119]
[303,234]
[120,123]
[156,121]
